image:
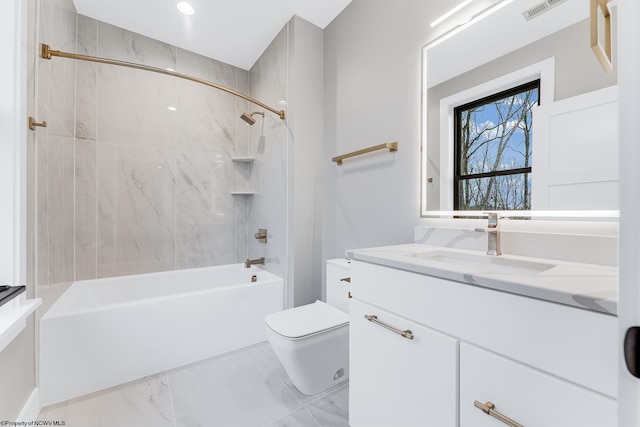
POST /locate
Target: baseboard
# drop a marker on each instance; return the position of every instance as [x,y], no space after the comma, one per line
[31,408]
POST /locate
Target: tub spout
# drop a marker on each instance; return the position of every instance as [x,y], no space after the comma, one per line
[249,262]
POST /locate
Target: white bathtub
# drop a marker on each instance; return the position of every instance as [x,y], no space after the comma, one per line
[105,332]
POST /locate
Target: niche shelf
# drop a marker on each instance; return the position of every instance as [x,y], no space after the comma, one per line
[243,160]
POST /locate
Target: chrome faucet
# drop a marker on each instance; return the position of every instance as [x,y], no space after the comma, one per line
[493,234]
[249,262]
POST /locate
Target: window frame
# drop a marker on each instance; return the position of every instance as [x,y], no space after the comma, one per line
[437,168]
[457,117]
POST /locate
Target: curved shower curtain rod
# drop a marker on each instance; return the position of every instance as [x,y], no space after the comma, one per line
[47,53]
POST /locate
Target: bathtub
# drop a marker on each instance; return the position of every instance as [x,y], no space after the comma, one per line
[105,332]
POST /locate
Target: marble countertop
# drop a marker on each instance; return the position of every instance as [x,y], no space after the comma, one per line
[588,286]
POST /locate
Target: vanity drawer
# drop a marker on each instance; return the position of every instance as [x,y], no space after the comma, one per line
[405,380]
[525,395]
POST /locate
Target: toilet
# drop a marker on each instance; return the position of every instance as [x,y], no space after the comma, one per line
[312,341]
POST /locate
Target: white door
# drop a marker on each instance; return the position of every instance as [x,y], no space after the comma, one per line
[628,32]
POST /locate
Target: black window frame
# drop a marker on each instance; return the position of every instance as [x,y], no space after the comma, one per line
[457,118]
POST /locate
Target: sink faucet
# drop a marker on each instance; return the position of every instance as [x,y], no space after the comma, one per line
[249,262]
[493,234]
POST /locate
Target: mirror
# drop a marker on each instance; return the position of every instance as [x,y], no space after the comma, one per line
[575,154]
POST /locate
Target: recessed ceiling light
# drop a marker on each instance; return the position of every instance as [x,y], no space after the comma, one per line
[185,8]
[171,108]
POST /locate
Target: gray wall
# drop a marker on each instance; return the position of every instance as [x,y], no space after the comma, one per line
[373,95]
[306,121]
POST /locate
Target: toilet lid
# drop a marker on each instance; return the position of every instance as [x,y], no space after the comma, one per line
[306,320]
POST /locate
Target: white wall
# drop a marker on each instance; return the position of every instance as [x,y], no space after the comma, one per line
[13,134]
[629,286]
[17,365]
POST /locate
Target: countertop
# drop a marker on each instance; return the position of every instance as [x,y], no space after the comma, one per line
[588,286]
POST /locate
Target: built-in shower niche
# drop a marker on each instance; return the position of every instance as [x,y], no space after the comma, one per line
[243,167]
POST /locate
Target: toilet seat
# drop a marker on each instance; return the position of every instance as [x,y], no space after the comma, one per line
[306,320]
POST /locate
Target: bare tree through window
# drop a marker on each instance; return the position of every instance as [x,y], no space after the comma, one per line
[493,145]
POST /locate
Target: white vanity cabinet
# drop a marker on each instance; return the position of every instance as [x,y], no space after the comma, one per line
[398,380]
[525,395]
[540,363]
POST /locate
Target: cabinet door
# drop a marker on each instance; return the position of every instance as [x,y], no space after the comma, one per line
[525,395]
[396,381]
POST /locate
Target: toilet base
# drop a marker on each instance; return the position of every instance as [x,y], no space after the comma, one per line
[314,363]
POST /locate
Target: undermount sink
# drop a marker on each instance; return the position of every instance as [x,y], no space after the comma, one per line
[483,262]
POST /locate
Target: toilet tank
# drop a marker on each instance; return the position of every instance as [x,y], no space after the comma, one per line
[337,288]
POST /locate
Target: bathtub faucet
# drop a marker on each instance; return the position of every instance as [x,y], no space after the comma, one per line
[249,262]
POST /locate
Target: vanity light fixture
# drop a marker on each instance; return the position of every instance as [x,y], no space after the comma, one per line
[451,12]
[185,8]
[475,18]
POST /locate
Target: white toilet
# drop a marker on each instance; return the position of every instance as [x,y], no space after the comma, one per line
[312,341]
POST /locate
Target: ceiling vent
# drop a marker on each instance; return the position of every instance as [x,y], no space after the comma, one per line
[540,8]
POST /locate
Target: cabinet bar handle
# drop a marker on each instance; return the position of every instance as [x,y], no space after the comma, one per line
[346,279]
[406,333]
[488,408]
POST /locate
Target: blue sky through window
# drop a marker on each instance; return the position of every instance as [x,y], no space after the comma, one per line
[494,136]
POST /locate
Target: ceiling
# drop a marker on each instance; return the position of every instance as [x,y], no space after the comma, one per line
[232,31]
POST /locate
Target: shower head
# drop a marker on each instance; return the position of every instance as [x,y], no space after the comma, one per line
[249,117]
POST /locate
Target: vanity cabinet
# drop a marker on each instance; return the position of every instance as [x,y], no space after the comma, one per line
[398,380]
[540,363]
[525,395]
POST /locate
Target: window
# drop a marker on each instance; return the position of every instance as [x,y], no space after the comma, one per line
[493,144]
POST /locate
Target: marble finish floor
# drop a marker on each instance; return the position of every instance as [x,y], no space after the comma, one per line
[244,388]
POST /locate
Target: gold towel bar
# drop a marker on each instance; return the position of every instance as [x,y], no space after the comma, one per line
[46,52]
[392,146]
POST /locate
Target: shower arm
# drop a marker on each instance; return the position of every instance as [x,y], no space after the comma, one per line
[47,53]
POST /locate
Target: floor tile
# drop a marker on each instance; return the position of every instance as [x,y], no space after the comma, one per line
[299,418]
[238,389]
[245,388]
[332,410]
[141,403]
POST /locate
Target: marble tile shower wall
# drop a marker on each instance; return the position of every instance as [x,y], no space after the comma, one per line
[54,152]
[269,178]
[127,185]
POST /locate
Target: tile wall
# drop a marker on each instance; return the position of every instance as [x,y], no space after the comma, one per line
[134,173]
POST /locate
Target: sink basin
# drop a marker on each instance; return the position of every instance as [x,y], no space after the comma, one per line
[483,262]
